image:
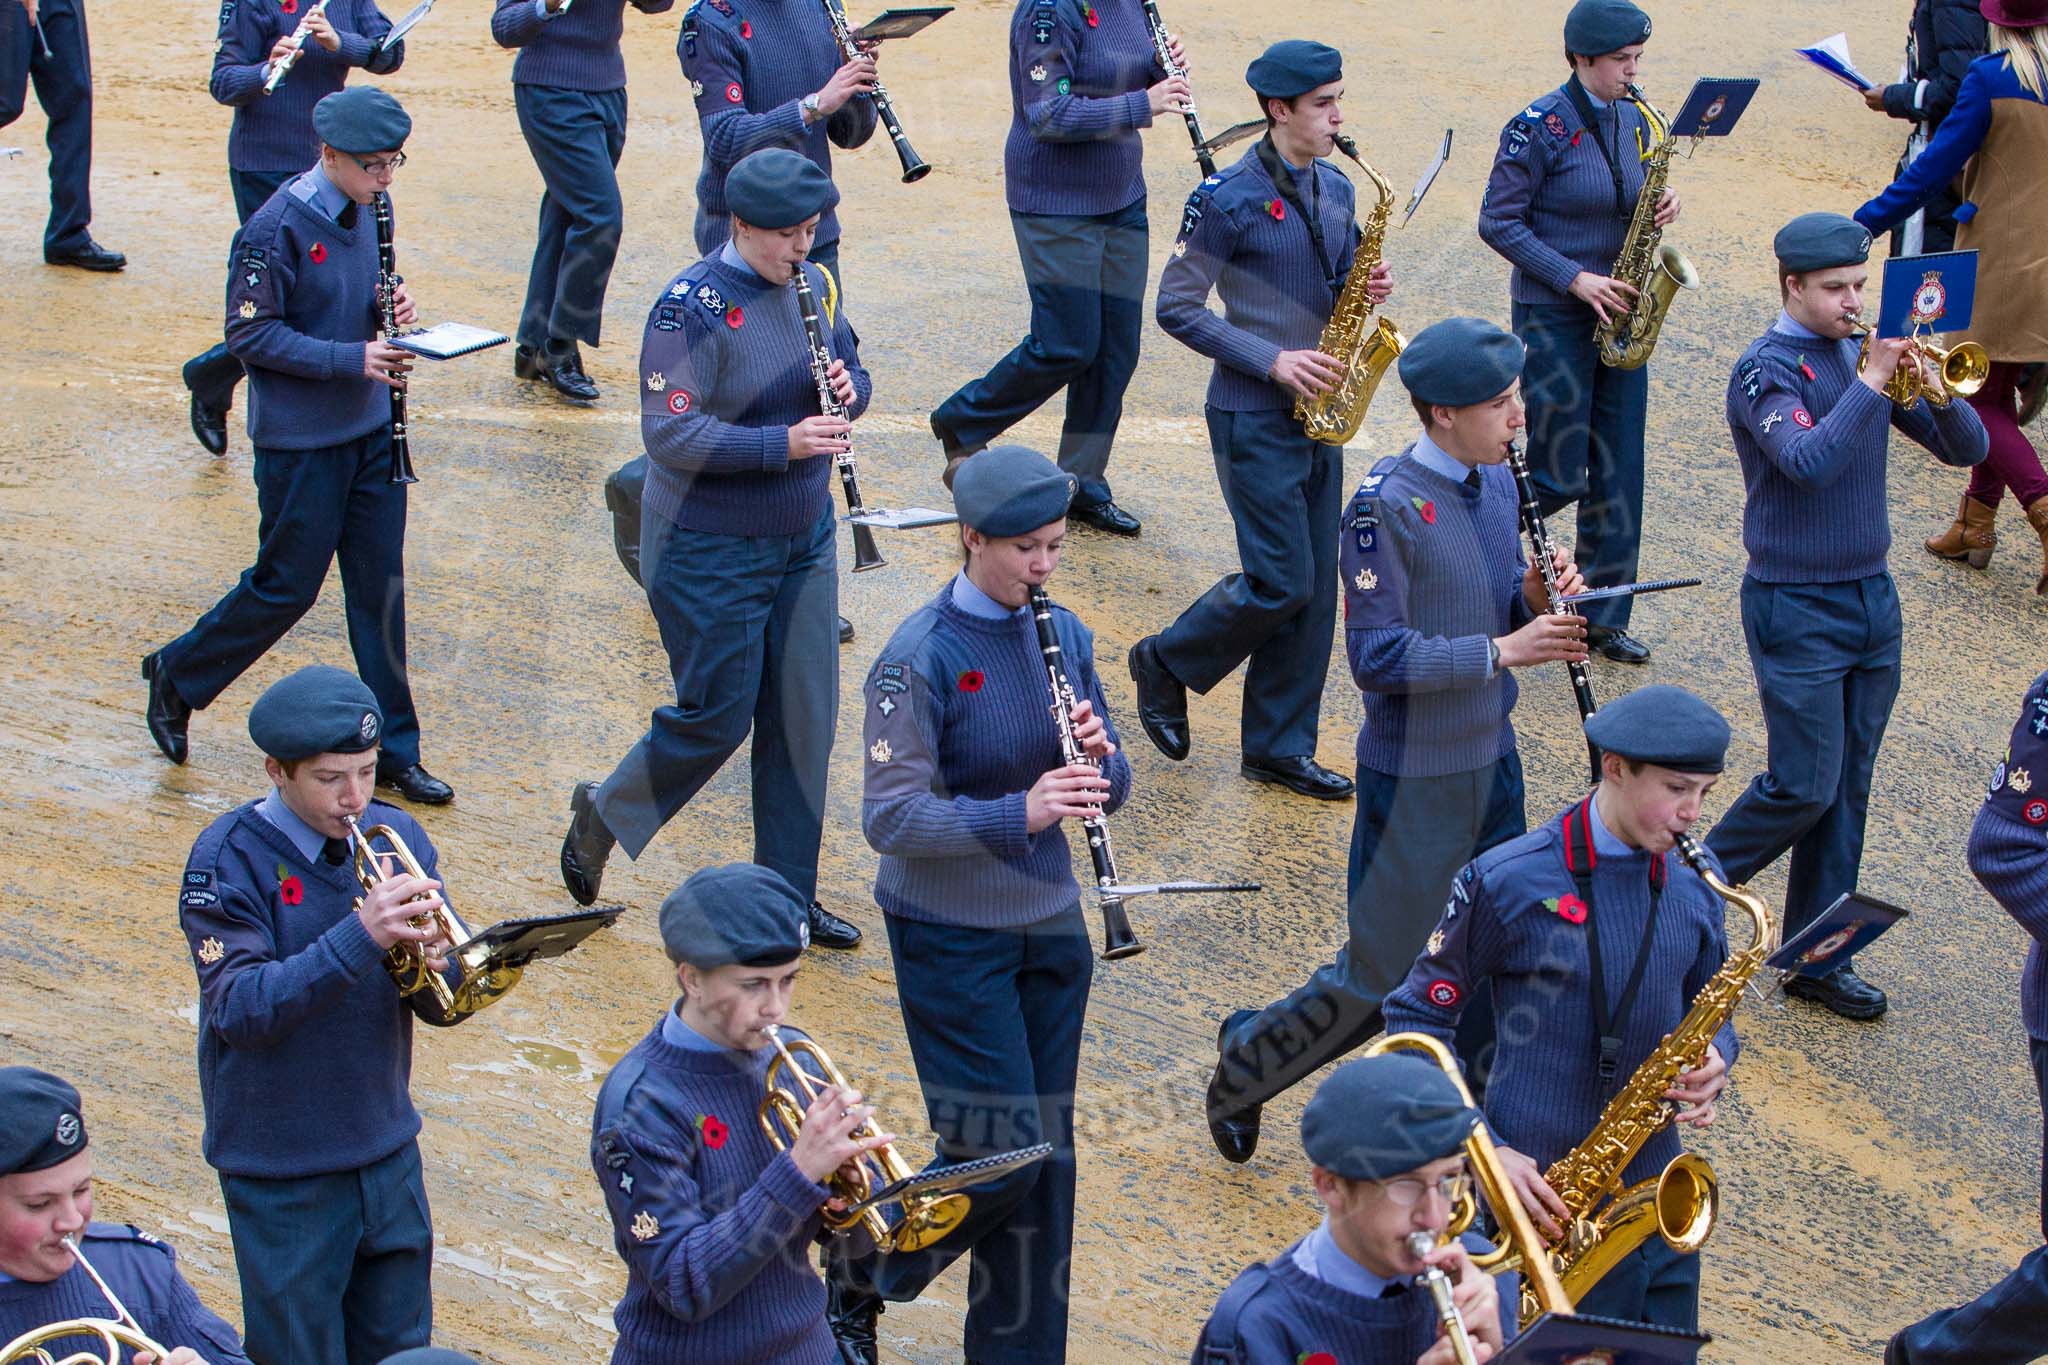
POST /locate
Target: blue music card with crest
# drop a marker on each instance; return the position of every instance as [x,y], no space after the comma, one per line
[1843,930]
[1714,105]
[1932,293]
[1566,1339]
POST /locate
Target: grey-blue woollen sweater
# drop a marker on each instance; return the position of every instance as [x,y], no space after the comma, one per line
[749,63]
[578,50]
[301,304]
[714,1224]
[1432,575]
[1549,202]
[1079,71]
[725,370]
[2009,852]
[957,729]
[274,132]
[1813,441]
[1503,922]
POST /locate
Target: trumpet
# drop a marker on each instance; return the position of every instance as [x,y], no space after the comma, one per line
[1439,1286]
[480,984]
[1962,368]
[113,1333]
[282,67]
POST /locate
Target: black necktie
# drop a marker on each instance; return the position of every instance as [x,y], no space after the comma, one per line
[347,216]
[1394,1287]
[334,852]
[1472,482]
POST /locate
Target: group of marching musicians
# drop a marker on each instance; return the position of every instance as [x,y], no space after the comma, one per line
[1559,959]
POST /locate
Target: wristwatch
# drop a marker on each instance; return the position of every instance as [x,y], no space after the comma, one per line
[1492,657]
[809,104]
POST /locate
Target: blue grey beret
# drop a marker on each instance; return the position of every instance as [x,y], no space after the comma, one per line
[1377,1117]
[361,118]
[778,188]
[1009,490]
[317,710]
[1597,27]
[1293,67]
[741,913]
[429,1355]
[1816,241]
[1664,725]
[40,1122]
[1461,361]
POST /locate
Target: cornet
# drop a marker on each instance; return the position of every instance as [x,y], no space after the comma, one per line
[1963,369]
[113,1333]
[480,984]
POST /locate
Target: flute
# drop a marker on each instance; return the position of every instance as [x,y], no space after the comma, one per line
[282,67]
[1546,559]
[1163,49]
[866,554]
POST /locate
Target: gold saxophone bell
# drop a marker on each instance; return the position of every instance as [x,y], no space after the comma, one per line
[925,1218]
[478,986]
[1963,369]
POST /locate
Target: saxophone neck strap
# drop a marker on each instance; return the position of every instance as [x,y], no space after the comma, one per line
[1282,176]
[1580,858]
[1590,117]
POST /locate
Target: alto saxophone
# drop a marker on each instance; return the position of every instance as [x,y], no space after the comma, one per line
[1655,271]
[1679,1204]
[1365,345]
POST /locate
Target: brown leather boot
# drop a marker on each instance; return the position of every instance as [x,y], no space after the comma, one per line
[2037,516]
[1971,536]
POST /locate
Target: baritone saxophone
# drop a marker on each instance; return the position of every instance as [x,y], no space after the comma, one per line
[1363,343]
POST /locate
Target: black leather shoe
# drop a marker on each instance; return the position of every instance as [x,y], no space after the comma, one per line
[416,785]
[210,425]
[1162,699]
[830,931]
[1105,516]
[167,713]
[845,631]
[564,374]
[1844,992]
[1611,642]
[851,1313]
[1300,774]
[585,847]
[526,363]
[90,256]
[1235,1131]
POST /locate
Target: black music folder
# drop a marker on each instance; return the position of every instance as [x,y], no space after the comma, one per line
[899,23]
[1565,1339]
[516,942]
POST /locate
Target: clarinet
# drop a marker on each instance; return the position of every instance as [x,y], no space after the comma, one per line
[388,280]
[1117,939]
[283,66]
[1539,546]
[1175,71]
[915,168]
[866,554]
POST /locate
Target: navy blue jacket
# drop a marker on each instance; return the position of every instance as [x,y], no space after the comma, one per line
[143,1273]
[2009,845]
[274,132]
[1947,36]
[1079,72]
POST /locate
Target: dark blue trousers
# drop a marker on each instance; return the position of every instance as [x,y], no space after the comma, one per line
[213,373]
[994,1023]
[1087,279]
[1652,1284]
[2004,1324]
[751,627]
[1826,657]
[1411,836]
[63,83]
[576,137]
[1586,444]
[312,506]
[334,1268]
[1279,610]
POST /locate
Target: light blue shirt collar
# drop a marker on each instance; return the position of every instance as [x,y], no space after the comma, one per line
[307,840]
[324,196]
[678,1034]
[1318,1256]
[1606,843]
[1594,99]
[729,254]
[975,602]
[1435,458]
[1791,327]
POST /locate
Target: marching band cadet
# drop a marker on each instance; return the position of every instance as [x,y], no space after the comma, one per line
[569,87]
[1819,611]
[299,1023]
[740,545]
[272,138]
[1595,884]
[302,317]
[1274,235]
[2010,857]
[714,1224]
[965,797]
[1385,1138]
[1084,78]
[1558,206]
[1439,607]
[46,1197]
[44,41]
[1995,140]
